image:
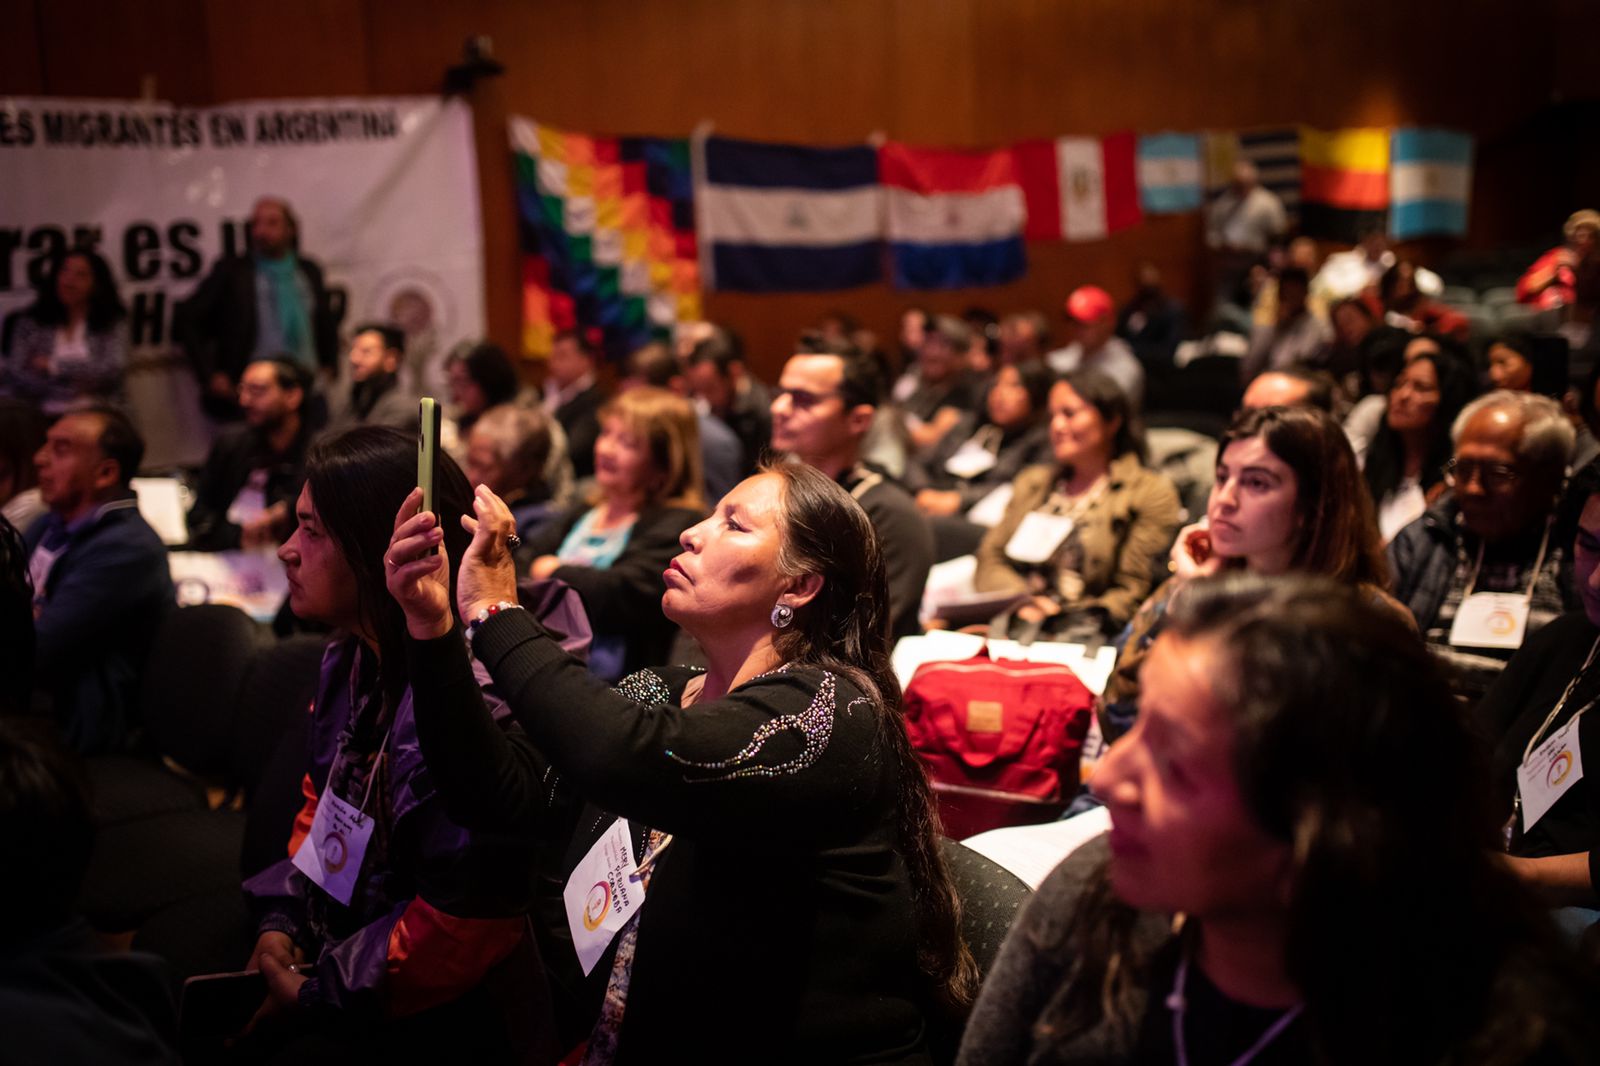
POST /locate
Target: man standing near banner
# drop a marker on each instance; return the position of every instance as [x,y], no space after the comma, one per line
[268,302]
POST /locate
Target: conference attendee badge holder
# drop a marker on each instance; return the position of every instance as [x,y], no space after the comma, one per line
[1038,536]
[332,852]
[602,894]
[1495,619]
[992,508]
[971,460]
[1554,764]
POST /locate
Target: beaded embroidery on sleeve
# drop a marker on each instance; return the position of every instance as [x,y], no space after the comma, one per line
[814,724]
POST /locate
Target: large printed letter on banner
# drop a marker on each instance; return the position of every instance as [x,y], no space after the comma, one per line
[385,189]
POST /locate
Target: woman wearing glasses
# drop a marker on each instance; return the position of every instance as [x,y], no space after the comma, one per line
[1479,571]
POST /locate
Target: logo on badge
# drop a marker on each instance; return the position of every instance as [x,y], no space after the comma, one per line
[1501,623]
[335,852]
[596,905]
[1560,767]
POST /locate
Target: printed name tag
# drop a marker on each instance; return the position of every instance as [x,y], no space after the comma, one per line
[970,460]
[602,894]
[332,852]
[1490,620]
[1038,536]
[1552,768]
[989,510]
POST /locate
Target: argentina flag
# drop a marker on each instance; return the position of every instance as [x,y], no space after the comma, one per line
[1430,183]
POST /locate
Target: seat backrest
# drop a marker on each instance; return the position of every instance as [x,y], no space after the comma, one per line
[192,683]
[276,697]
[990,898]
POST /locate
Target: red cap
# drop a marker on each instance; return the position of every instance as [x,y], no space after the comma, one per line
[1089,303]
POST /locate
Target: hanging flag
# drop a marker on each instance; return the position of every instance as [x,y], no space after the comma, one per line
[1170,173]
[785,218]
[607,227]
[1430,183]
[1275,153]
[1079,188]
[1344,182]
[954,217]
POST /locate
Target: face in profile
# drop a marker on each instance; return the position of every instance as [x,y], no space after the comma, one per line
[1586,558]
[809,416]
[465,393]
[727,570]
[1253,513]
[322,587]
[1182,838]
[265,403]
[369,358]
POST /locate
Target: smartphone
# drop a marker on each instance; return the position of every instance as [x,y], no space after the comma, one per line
[215,1007]
[428,422]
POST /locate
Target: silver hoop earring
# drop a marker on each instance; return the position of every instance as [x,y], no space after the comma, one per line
[782,615]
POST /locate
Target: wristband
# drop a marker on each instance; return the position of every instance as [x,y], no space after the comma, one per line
[487,613]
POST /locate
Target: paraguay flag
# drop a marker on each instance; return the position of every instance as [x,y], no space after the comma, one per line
[955,217]
[1171,177]
[1079,188]
[1344,182]
[1430,183]
[786,218]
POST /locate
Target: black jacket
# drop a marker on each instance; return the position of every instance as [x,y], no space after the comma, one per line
[580,418]
[239,451]
[217,325]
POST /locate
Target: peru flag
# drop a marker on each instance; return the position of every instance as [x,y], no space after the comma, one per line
[1079,188]
[955,217]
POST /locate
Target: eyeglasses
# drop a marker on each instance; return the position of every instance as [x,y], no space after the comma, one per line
[1492,476]
[801,399]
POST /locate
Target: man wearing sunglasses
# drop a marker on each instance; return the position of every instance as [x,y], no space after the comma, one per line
[1480,570]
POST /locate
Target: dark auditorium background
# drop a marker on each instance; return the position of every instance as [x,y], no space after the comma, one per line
[1522,77]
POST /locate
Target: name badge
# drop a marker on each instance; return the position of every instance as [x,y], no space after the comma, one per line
[1038,536]
[251,499]
[1490,620]
[970,460]
[989,510]
[602,894]
[1547,773]
[332,853]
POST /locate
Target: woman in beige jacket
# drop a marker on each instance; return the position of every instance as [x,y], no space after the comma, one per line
[1083,538]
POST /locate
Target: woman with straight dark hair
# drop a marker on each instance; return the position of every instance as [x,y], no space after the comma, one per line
[1404,464]
[383,941]
[1288,498]
[1301,866]
[798,908]
[481,376]
[1081,536]
[71,344]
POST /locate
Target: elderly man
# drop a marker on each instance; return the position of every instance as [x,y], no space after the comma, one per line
[268,302]
[1479,570]
[99,573]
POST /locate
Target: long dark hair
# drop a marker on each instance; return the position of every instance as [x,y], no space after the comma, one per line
[1338,531]
[845,629]
[1386,457]
[17,639]
[1101,392]
[105,303]
[1349,747]
[358,479]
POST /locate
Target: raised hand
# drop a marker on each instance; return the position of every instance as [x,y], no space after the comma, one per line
[488,574]
[417,570]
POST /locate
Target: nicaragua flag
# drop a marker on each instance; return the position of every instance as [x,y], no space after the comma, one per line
[1430,183]
[1079,188]
[1171,178]
[786,218]
[955,217]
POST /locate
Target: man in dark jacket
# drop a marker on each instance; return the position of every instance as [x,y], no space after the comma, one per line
[100,579]
[256,306]
[246,493]
[573,397]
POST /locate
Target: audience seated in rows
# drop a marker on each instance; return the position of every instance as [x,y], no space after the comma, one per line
[573,397]
[371,391]
[99,576]
[70,346]
[244,497]
[1272,796]
[1081,537]
[1295,337]
[614,545]
[935,393]
[1024,338]
[717,376]
[826,401]
[721,451]
[269,300]
[1152,321]
[1479,571]
[1092,344]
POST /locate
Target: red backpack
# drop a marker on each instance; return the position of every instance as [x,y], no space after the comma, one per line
[1001,740]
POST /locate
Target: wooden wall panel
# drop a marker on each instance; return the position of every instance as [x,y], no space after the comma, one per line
[956,72]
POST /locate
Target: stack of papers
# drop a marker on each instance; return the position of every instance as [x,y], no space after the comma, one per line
[1093,667]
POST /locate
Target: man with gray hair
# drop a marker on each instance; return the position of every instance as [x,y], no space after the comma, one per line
[1480,570]
[521,454]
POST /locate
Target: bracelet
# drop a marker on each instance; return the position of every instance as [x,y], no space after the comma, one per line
[488,613]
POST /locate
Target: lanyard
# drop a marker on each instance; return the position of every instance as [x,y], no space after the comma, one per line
[377,764]
[1179,1004]
[1550,718]
[1533,579]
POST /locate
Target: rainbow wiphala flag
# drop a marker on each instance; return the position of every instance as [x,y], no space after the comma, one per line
[608,236]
